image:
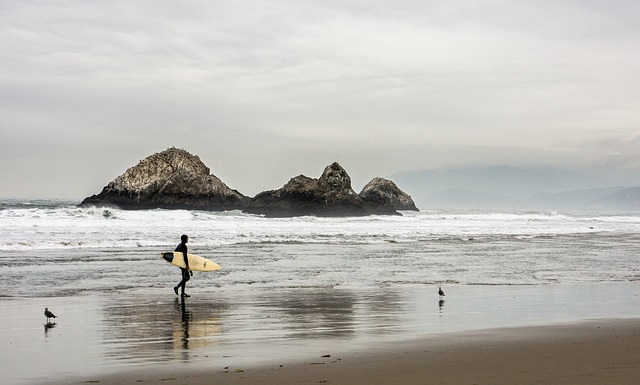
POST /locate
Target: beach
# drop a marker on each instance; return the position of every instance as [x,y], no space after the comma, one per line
[593,352]
[477,334]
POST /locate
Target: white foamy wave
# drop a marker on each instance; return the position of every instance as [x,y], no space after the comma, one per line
[78,247]
[59,226]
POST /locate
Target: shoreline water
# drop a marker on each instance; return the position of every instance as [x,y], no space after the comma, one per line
[139,331]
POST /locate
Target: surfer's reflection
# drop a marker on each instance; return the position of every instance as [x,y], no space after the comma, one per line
[196,327]
[186,318]
[441,304]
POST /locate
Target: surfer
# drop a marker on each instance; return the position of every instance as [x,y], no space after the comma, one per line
[186,273]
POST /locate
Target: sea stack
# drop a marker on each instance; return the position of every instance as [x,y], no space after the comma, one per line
[329,196]
[385,191]
[171,179]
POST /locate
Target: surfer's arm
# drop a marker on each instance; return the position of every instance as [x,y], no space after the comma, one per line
[186,262]
[186,259]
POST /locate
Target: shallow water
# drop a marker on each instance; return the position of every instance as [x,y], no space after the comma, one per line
[602,257]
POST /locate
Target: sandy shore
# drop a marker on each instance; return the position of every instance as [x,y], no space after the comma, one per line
[482,334]
[594,352]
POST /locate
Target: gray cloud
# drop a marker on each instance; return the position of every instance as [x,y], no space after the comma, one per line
[266,90]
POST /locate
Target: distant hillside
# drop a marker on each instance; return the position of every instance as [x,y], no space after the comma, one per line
[508,187]
[627,199]
[574,200]
[460,198]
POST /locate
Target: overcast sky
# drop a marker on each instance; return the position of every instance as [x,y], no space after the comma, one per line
[266,90]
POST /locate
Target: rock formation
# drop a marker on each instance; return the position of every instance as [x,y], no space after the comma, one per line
[385,191]
[329,196]
[175,179]
[171,179]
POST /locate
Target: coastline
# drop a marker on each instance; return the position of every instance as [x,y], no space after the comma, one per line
[150,336]
[589,352]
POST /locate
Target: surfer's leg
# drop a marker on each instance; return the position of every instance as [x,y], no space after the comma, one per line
[183,283]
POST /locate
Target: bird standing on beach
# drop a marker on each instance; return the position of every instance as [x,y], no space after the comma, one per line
[48,314]
[440,292]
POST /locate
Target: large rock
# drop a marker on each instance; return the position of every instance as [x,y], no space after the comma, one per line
[385,191]
[329,196]
[171,179]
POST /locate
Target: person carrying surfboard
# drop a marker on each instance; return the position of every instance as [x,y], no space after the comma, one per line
[186,273]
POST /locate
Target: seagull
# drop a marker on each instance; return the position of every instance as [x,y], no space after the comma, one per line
[440,292]
[48,314]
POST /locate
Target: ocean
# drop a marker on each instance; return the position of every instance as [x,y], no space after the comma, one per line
[105,249]
[290,288]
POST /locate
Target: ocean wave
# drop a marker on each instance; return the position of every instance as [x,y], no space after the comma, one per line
[40,225]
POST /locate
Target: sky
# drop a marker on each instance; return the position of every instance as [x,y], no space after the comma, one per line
[263,91]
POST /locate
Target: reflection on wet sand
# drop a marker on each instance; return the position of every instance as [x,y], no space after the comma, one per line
[329,313]
[147,330]
[313,314]
[217,328]
[47,326]
[194,332]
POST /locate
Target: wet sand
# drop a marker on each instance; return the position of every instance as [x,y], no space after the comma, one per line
[596,352]
[479,334]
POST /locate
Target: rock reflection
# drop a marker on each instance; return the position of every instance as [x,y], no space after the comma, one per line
[381,311]
[330,313]
[314,314]
[141,330]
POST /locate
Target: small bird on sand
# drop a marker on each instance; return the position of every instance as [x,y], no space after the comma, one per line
[440,292]
[48,314]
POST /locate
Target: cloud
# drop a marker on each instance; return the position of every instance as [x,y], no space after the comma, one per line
[278,86]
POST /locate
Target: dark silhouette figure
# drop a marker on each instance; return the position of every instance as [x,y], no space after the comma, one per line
[186,317]
[186,273]
[49,315]
[440,292]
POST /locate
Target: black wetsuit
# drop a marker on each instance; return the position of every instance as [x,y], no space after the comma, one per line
[182,247]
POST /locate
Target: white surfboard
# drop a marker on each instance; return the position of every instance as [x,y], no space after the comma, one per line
[196,262]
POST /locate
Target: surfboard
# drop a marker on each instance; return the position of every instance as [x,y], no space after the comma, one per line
[196,262]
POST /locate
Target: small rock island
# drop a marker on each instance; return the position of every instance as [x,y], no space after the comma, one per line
[171,179]
[176,179]
[383,190]
[329,196]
